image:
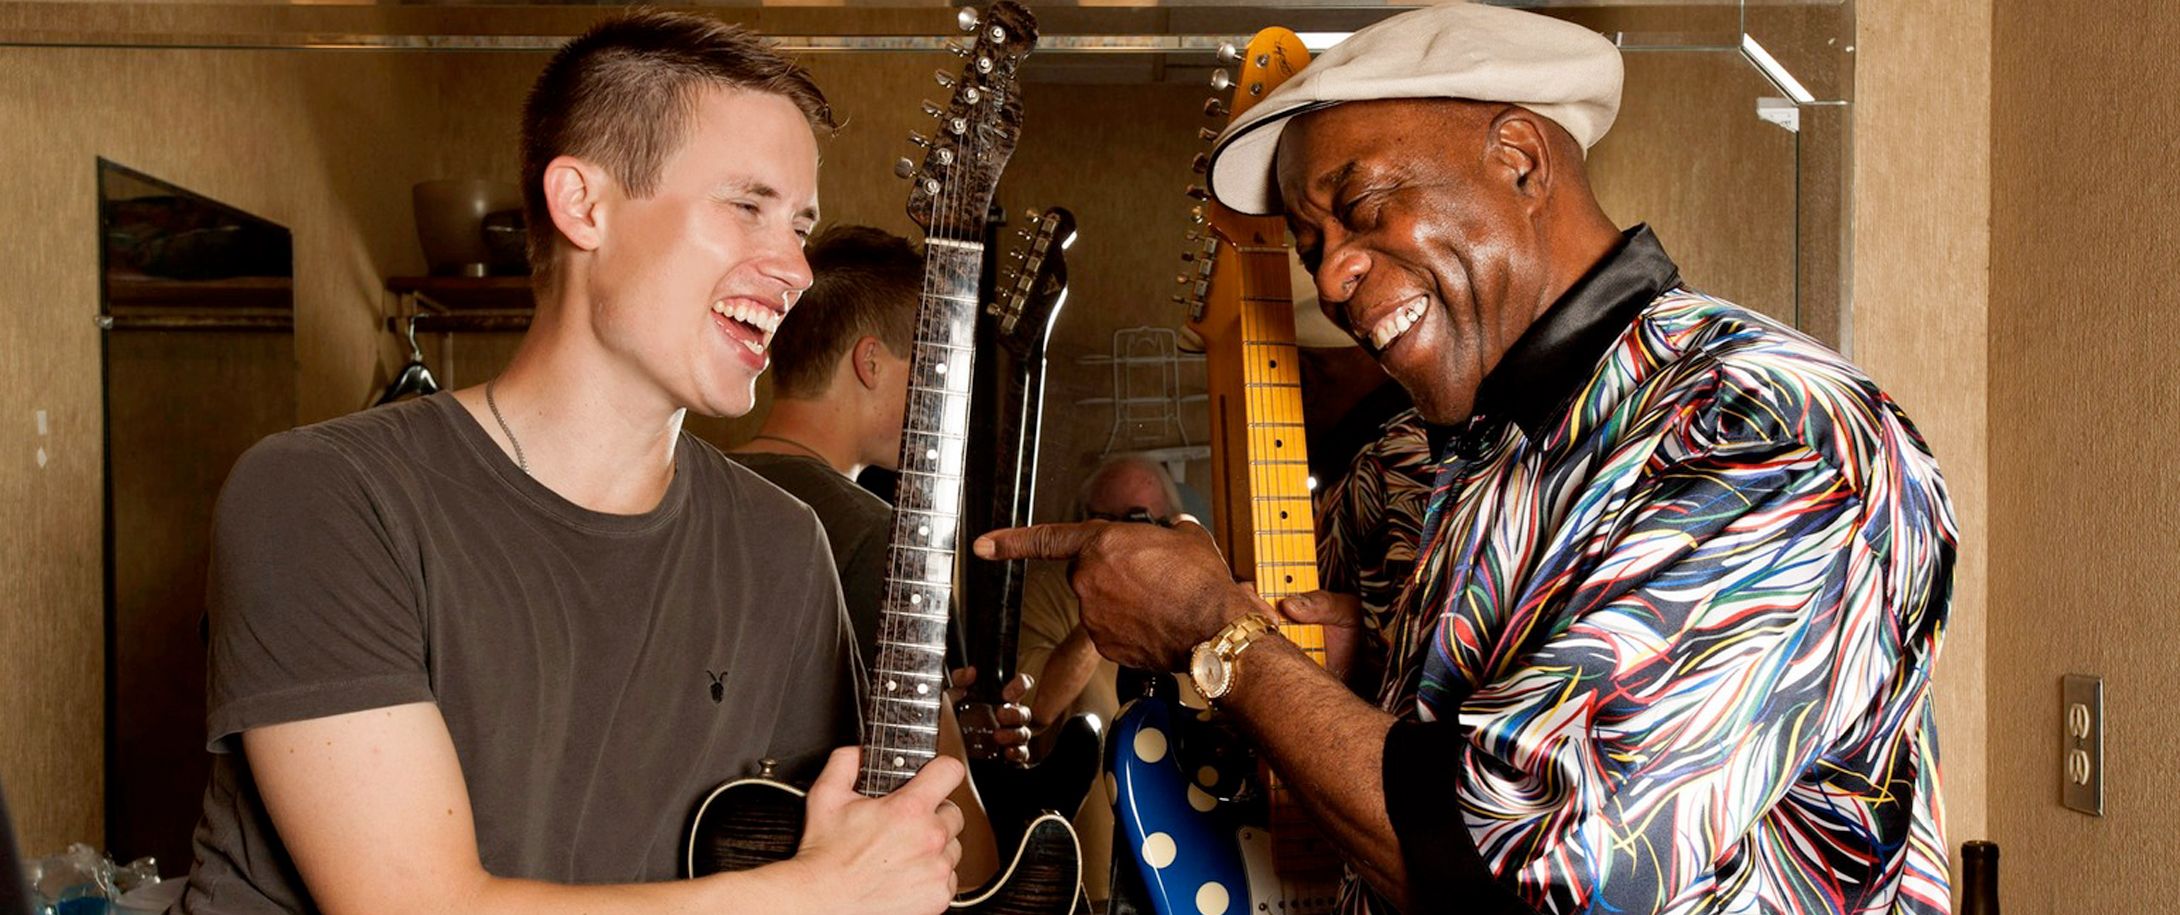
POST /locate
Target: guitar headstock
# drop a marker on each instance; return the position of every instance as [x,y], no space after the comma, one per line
[978,127]
[1273,56]
[1037,288]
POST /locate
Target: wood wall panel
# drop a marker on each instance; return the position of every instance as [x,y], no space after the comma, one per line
[2085,423]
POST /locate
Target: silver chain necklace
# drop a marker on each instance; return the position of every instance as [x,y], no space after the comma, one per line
[510,433]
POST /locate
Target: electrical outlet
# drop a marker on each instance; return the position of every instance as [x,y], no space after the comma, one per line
[2081,767]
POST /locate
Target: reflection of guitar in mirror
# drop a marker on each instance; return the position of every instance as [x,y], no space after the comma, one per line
[757,821]
[1199,814]
[1005,415]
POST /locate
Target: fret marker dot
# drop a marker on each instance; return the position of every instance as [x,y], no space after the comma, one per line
[923,530]
[892,685]
[1279,443]
[915,598]
[1275,363]
[923,689]
[900,762]
[940,368]
[931,454]
[1282,516]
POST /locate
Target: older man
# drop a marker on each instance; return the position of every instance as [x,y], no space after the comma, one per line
[1684,569]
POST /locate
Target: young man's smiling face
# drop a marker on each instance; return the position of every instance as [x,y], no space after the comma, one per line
[690,281]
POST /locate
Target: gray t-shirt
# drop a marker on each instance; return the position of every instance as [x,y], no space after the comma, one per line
[857,523]
[599,673]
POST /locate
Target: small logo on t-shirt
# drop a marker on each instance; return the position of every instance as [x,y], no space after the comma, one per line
[719,686]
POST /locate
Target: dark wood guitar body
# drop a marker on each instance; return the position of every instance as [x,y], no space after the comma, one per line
[1016,795]
[757,821]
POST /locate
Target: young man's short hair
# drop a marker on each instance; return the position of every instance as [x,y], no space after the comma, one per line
[622,96]
[866,282]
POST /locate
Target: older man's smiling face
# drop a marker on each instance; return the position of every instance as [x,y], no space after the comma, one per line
[1418,221]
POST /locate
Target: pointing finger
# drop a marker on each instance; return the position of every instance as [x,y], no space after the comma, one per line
[1043,541]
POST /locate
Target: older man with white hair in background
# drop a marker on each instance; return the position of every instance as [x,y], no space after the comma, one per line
[1684,570]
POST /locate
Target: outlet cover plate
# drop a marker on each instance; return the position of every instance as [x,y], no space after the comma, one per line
[2081,762]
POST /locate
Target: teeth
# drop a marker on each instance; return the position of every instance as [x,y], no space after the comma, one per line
[764,320]
[1393,325]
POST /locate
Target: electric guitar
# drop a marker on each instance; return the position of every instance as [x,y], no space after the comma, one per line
[1199,815]
[757,821]
[1005,416]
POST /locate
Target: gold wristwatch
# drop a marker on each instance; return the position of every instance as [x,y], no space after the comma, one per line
[1212,663]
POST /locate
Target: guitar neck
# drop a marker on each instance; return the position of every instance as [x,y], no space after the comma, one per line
[1265,378]
[909,676]
[1004,424]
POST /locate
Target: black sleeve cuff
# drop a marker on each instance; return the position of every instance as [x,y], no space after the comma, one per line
[1446,873]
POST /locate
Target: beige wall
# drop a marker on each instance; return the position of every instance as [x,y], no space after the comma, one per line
[2084,173]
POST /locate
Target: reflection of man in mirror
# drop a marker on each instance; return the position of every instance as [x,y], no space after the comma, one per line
[464,648]
[1683,571]
[1055,650]
[839,401]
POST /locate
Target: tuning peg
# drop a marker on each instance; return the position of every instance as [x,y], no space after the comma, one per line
[1206,134]
[904,168]
[932,108]
[957,126]
[956,48]
[920,140]
[1188,257]
[1193,236]
[1213,108]
[1197,214]
[1222,80]
[1196,191]
[931,186]
[971,95]
[1200,164]
[966,18]
[943,155]
[1228,54]
[945,79]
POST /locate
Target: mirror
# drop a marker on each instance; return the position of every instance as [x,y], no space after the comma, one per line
[197,304]
[1731,143]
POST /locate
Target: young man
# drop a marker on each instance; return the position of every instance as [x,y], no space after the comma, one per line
[483,652]
[1683,571]
[839,398]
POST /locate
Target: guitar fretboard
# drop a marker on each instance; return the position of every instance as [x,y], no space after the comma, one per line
[901,720]
[1283,527]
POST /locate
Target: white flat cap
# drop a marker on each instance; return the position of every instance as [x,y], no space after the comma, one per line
[1454,50]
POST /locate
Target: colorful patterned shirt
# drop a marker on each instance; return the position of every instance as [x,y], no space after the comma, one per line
[1682,581]
[1367,530]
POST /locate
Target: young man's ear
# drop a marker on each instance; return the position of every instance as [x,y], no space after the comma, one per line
[573,190]
[864,354]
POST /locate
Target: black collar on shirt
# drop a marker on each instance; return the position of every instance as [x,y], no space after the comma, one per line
[1556,356]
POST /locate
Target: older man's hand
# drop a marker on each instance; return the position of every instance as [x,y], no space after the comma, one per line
[1149,593]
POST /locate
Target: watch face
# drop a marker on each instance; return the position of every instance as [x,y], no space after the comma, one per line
[1209,673]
